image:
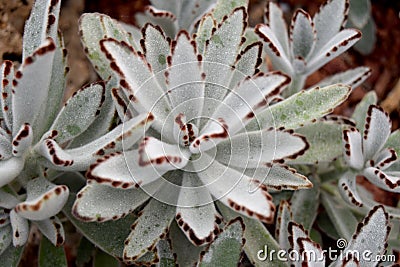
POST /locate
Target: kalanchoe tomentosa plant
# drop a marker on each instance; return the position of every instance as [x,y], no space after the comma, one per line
[370,149]
[205,141]
[198,120]
[24,106]
[173,16]
[311,43]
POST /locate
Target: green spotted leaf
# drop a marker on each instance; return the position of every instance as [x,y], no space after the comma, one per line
[225,7]
[301,108]
[226,249]
[94,27]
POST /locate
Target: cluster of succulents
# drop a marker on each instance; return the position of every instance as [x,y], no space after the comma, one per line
[189,144]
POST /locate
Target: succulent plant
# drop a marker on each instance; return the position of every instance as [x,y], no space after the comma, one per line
[215,132]
[370,150]
[367,244]
[28,111]
[311,43]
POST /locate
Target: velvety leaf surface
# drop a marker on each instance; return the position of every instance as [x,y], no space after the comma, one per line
[251,149]
[220,54]
[204,31]
[237,191]
[59,70]
[50,256]
[43,201]
[196,211]
[53,230]
[336,45]
[9,169]
[328,21]
[151,224]
[103,122]
[20,228]
[273,18]
[42,23]
[108,236]
[97,202]
[164,18]
[301,108]
[187,254]
[156,49]
[80,158]
[371,235]
[341,217]
[246,63]
[302,34]
[257,236]
[11,256]
[7,76]
[377,130]
[284,217]
[322,136]
[79,112]
[226,249]
[279,177]
[275,49]
[29,97]
[225,7]
[165,254]
[353,78]
[93,28]
[394,141]
[305,204]
[5,238]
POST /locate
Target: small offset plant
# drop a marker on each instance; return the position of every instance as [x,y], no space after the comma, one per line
[173,16]
[311,43]
[189,149]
